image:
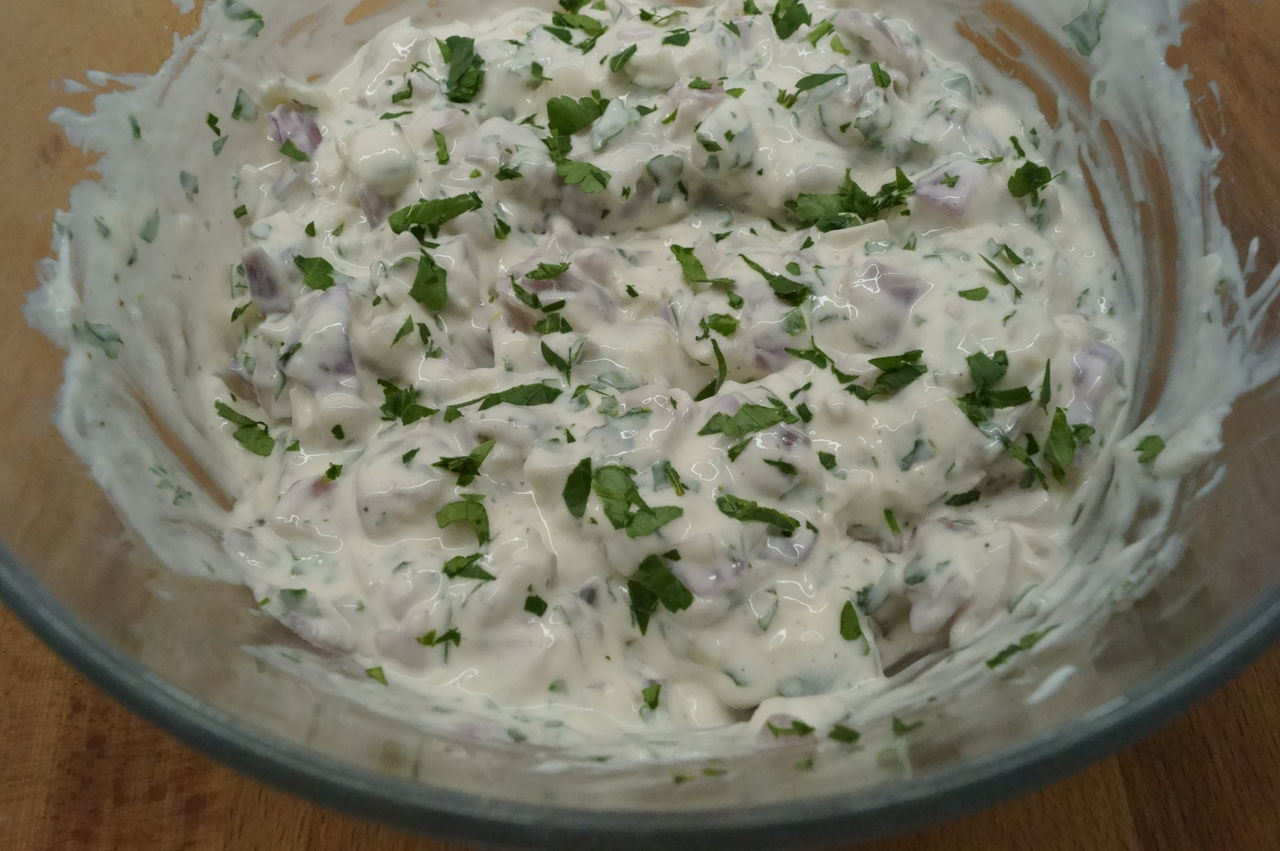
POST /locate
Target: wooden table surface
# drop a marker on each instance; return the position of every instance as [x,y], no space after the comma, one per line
[79,771]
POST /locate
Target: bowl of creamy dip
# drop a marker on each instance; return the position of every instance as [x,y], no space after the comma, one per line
[591,420]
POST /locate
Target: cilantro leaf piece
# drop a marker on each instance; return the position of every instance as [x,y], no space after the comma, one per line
[986,371]
[577,487]
[466,567]
[692,268]
[429,284]
[788,16]
[401,403]
[1025,643]
[791,292]
[250,433]
[795,728]
[1060,445]
[880,76]
[1029,179]
[442,147]
[585,176]
[451,636]
[526,395]
[615,485]
[844,735]
[431,215]
[1002,277]
[812,81]
[547,271]
[651,695]
[975,294]
[376,674]
[897,371]
[566,115]
[722,323]
[317,273]
[965,498]
[470,510]
[292,151]
[648,520]
[553,323]
[1149,448]
[716,383]
[652,584]
[749,419]
[850,626]
[1085,29]
[535,605]
[466,68]
[619,60]
[467,467]
[748,511]
[851,204]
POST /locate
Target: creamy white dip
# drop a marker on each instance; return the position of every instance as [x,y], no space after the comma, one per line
[607,370]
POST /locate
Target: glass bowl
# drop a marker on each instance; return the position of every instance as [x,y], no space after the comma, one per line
[173,647]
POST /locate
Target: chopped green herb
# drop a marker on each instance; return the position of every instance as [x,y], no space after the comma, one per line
[466,68]
[547,271]
[467,467]
[788,16]
[292,151]
[987,371]
[466,567]
[795,728]
[470,510]
[1149,448]
[692,268]
[250,433]
[577,488]
[850,205]
[896,372]
[442,147]
[722,372]
[585,176]
[844,735]
[451,636]
[535,605]
[749,419]
[892,522]
[812,81]
[652,584]
[651,695]
[791,292]
[431,215]
[1023,644]
[333,472]
[152,226]
[748,511]
[880,76]
[975,294]
[1029,179]
[902,728]
[402,403]
[965,498]
[376,674]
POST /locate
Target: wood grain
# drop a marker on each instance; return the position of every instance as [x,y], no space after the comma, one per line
[79,771]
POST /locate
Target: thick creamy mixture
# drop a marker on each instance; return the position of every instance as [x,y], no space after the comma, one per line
[605,367]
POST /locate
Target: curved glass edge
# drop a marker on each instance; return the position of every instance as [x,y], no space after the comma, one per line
[895,808]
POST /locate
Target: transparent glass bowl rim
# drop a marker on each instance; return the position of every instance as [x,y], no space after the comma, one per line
[418,807]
